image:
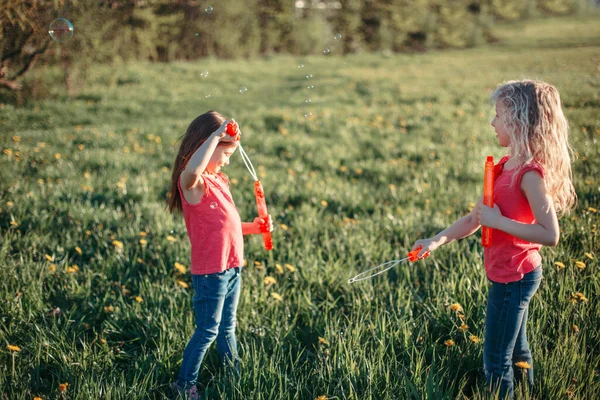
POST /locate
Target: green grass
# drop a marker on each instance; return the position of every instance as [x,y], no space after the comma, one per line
[393,152]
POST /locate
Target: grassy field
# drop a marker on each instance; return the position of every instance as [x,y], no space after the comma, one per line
[392,150]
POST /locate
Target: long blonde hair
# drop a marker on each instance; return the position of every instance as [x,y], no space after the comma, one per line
[539,133]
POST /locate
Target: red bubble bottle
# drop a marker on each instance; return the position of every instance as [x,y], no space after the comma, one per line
[488,198]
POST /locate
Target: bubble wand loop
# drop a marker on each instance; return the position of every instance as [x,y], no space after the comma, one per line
[259,193]
[381,268]
[488,198]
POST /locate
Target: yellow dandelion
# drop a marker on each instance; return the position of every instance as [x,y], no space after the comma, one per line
[580,265]
[139,299]
[88,232]
[72,269]
[57,156]
[10,347]
[276,296]
[284,227]
[269,280]
[589,255]
[62,387]
[183,284]
[559,265]
[78,250]
[358,171]
[449,342]
[474,339]
[102,341]
[523,364]
[143,234]
[575,328]
[140,260]
[321,398]
[182,269]
[109,309]
[324,203]
[143,242]
[592,209]
[258,265]
[581,297]
[14,223]
[463,328]
[171,239]
[49,258]
[456,307]
[37,398]
[323,341]
[52,267]
[10,204]
[279,268]
[118,244]
[290,268]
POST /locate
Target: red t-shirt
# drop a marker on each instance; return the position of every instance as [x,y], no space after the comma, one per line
[214,228]
[510,258]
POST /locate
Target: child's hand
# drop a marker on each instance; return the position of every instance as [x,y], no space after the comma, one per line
[263,226]
[489,216]
[427,246]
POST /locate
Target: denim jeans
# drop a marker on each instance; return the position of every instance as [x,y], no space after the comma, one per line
[216,298]
[506,334]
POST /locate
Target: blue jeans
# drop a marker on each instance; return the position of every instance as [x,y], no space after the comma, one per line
[216,298]
[506,334]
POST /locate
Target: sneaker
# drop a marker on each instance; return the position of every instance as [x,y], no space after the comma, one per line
[191,393]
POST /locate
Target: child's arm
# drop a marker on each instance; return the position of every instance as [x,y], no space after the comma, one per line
[461,228]
[544,231]
[258,226]
[192,174]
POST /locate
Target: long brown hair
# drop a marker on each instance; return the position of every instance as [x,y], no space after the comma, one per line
[199,130]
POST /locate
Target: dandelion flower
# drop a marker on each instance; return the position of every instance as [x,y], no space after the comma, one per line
[449,342]
[456,307]
[118,244]
[143,234]
[592,209]
[559,265]
[49,258]
[269,280]
[580,265]
[474,339]
[575,328]
[324,203]
[139,299]
[182,269]
[279,268]
[321,398]
[276,296]
[109,309]
[284,227]
[290,268]
[72,269]
[14,223]
[323,341]
[523,364]
[10,347]
[171,239]
[183,284]
[52,267]
[62,387]
[143,242]
[589,255]
[78,250]
[463,328]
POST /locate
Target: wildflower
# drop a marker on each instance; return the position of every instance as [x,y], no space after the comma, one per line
[323,341]
[37,398]
[72,269]
[171,239]
[456,307]
[592,209]
[139,299]
[523,364]
[49,258]
[279,268]
[284,227]
[324,203]
[78,250]
[180,268]
[118,244]
[559,265]
[14,223]
[575,328]
[269,280]
[580,265]
[62,387]
[143,234]
[183,284]
[258,265]
[10,347]
[589,255]
[474,339]
[52,267]
[290,267]
[276,296]
[109,309]
[143,242]
[463,328]
[88,232]
[321,398]
[140,260]
[55,312]
[449,342]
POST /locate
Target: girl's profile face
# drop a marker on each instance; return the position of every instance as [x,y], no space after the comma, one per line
[499,125]
[220,158]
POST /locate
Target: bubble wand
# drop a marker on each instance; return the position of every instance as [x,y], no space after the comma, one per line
[381,268]
[233,131]
[488,198]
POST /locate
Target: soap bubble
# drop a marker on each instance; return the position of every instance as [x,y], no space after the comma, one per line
[208,9]
[243,89]
[308,101]
[61,30]
[337,36]
[207,96]
[300,65]
[326,51]
[307,114]
[213,205]
[204,74]
[197,34]
[309,76]
[310,87]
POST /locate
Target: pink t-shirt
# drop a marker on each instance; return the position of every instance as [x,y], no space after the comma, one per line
[510,258]
[214,228]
